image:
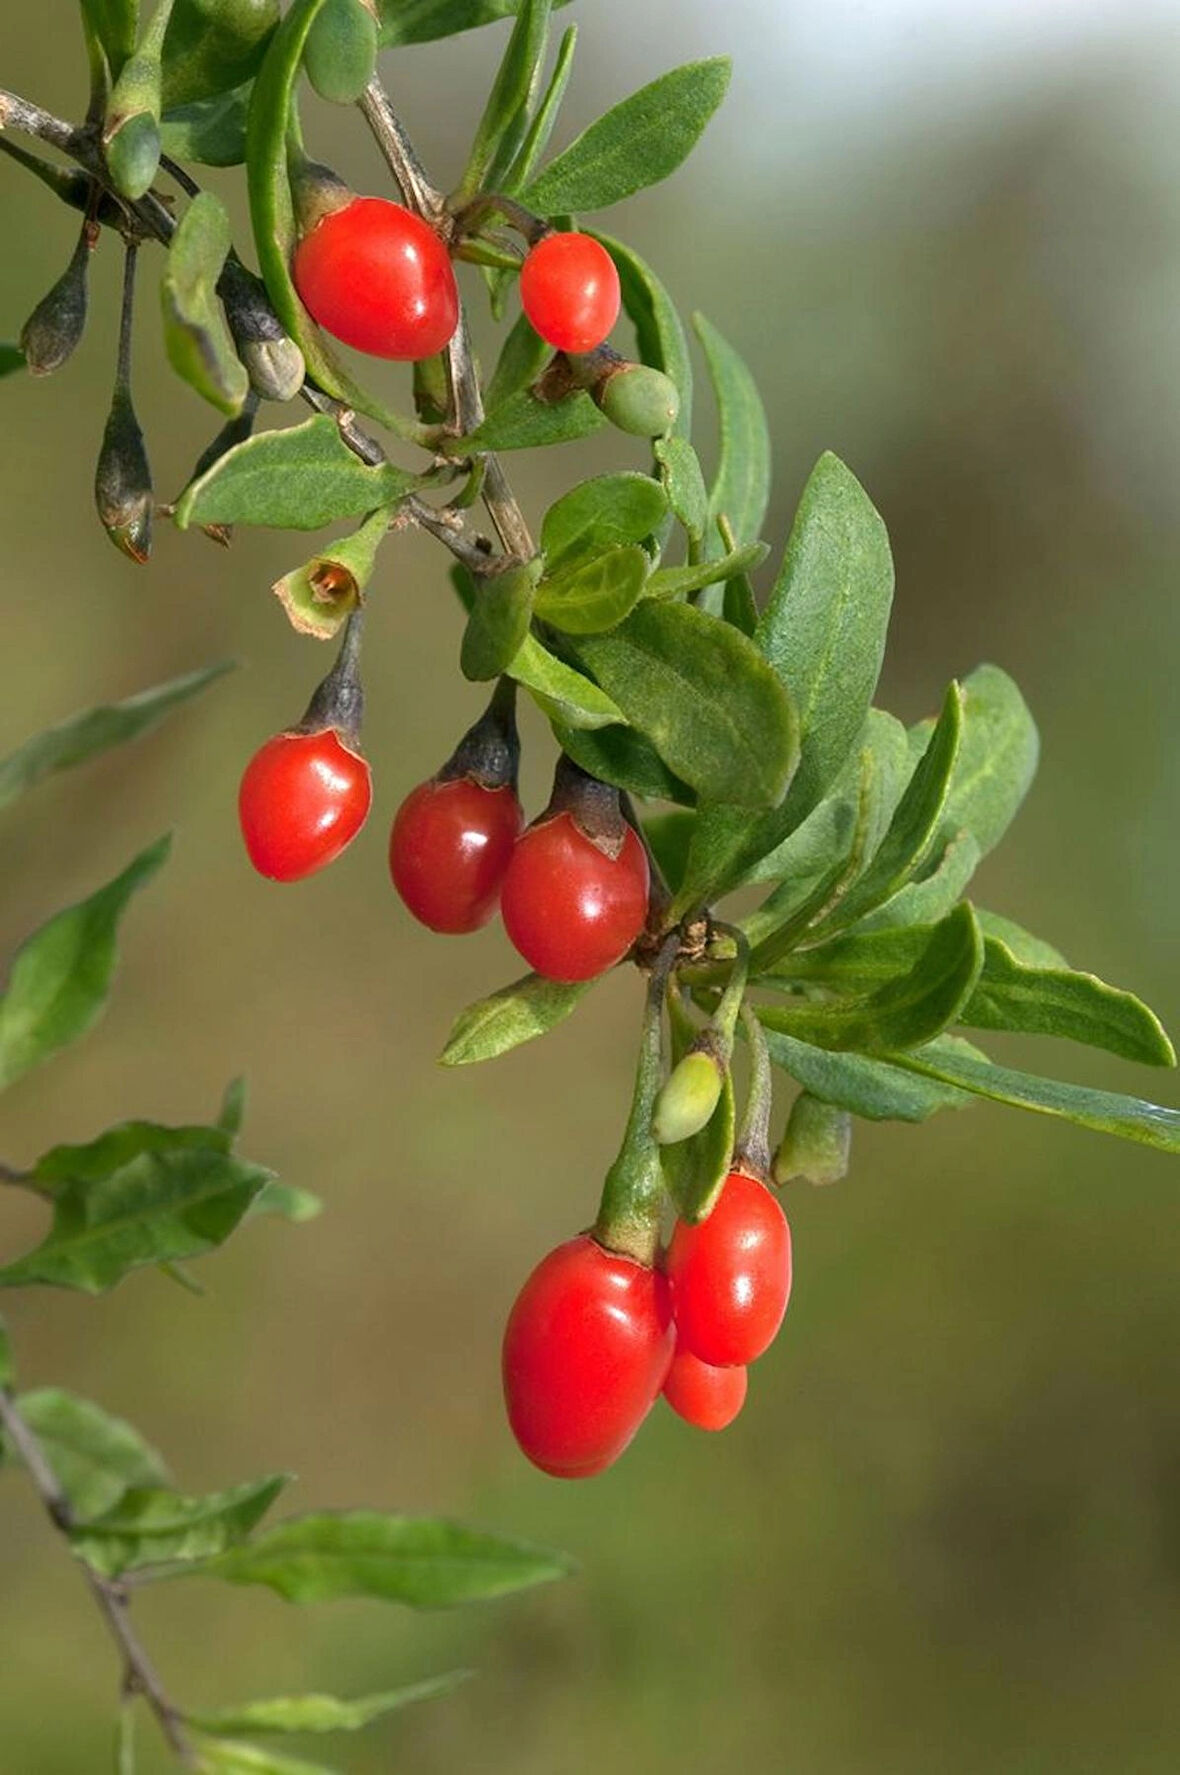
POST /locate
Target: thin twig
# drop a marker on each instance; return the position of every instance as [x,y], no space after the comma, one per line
[139,1673]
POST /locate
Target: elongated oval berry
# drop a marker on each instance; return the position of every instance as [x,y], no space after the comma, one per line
[569,289]
[570,909]
[304,797]
[586,1350]
[379,278]
[449,850]
[731,1274]
[708,1398]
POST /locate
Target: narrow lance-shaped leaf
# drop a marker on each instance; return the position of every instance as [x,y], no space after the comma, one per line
[516,1014]
[522,422]
[823,629]
[61,975]
[95,730]
[997,759]
[159,1207]
[1104,1112]
[422,1561]
[502,128]
[908,1010]
[637,143]
[679,582]
[684,483]
[154,1526]
[196,336]
[741,486]
[423,21]
[322,1713]
[1058,1001]
[298,479]
[870,1088]
[704,696]
[225,1756]
[1034,952]
[94,1457]
[931,897]
[541,128]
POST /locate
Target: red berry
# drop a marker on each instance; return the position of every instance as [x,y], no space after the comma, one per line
[571,910]
[586,1351]
[450,846]
[379,278]
[569,290]
[304,797]
[731,1275]
[707,1397]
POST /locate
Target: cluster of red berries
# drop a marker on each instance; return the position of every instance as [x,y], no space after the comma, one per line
[573,888]
[379,278]
[595,1337]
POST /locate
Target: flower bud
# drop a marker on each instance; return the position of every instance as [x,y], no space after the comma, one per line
[56,324]
[816,1144]
[273,361]
[123,481]
[688,1098]
[639,400]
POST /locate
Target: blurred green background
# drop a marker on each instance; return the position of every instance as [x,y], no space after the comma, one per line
[944,1535]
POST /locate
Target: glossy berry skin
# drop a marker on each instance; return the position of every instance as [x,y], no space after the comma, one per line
[706,1397]
[377,277]
[731,1275]
[449,849]
[586,1350]
[569,289]
[304,797]
[571,910]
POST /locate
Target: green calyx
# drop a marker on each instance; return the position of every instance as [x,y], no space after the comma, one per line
[341,50]
[633,1191]
[688,1098]
[639,400]
[816,1144]
[133,153]
[131,131]
[319,596]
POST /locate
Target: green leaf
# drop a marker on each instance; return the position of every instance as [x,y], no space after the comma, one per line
[504,124]
[11,358]
[322,1713]
[741,486]
[155,1526]
[601,512]
[624,757]
[421,1561]
[565,695]
[522,422]
[213,46]
[95,1457]
[273,218]
[704,696]
[196,337]
[930,898]
[1057,1001]
[909,1009]
[659,335]
[636,144]
[593,593]
[515,1014]
[211,132]
[523,357]
[96,730]
[680,582]
[824,626]
[915,823]
[1034,952]
[423,21]
[116,25]
[669,836]
[541,128]
[684,483]
[498,623]
[161,1205]
[227,1757]
[870,1088]
[96,1160]
[997,759]
[61,975]
[298,479]
[1105,1112]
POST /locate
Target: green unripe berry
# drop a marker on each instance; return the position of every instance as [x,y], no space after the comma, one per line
[816,1144]
[341,51]
[688,1098]
[639,400]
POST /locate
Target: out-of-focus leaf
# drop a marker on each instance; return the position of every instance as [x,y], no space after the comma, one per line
[154,1525]
[322,1713]
[95,1457]
[423,21]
